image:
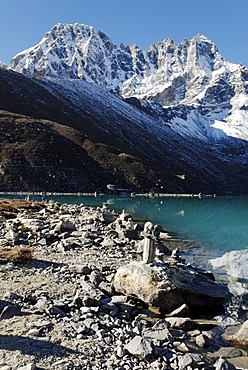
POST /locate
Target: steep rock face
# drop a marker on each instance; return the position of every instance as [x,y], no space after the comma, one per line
[76,51]
[192,75]
[165,72]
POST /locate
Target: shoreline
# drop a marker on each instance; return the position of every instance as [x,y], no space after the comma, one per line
[186,244]
[152,195]
[76,249]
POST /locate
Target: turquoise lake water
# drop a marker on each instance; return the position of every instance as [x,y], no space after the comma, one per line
[213,230]
[221,223]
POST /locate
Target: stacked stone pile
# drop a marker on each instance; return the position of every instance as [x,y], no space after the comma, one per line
[63,309]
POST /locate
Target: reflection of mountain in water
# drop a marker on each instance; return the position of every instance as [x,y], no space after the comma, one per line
[218,223]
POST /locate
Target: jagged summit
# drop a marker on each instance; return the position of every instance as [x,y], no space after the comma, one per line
[171,122]
[2,65]
[64,51]
[194,84]
[79,51]
[202,38]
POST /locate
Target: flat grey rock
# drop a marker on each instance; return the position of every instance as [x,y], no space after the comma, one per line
[140,347]
[169,286]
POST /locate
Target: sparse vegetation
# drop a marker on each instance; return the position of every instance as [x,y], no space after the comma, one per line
[16,254]
[10,207]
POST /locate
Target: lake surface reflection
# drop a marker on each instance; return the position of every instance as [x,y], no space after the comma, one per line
[220,223]
[211,231]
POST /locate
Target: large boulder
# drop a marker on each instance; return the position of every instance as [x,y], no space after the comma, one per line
[167,286]
[241,337]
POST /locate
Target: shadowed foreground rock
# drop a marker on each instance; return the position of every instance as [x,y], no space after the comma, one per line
[167,286]
[223,364]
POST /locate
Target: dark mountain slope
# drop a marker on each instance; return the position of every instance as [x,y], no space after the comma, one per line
[21,94]
[36,156]
[51,141]
[42,155]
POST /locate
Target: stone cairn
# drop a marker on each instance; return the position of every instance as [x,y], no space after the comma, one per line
[150,235]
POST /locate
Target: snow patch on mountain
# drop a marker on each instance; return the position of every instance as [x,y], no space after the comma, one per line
[108,106]
[235,125]
[3,65]
[192,75]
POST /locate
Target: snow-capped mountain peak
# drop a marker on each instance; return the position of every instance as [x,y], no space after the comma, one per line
[79,51]
[2,65]
[181,78]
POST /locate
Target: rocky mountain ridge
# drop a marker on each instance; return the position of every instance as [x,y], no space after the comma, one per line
[117,106]
[79,51]
[191,81]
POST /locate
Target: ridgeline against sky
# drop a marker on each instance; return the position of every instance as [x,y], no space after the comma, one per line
[22,24]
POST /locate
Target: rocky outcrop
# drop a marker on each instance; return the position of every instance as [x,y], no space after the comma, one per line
[3,65]
[167,286]
[202,94]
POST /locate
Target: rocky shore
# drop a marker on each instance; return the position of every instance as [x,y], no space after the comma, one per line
[76,293]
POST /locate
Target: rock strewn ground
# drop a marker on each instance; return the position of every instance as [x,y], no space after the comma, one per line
[59,311]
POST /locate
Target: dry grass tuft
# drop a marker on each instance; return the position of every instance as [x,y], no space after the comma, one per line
[16,254]
[9,208]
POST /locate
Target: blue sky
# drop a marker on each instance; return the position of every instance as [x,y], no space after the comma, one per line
[24,22]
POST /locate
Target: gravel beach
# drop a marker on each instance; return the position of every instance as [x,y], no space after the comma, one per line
[59,308]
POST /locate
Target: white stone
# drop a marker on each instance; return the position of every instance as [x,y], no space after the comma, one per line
[242,335]
[185,361]
[30,366]
[139,346]
[223,364]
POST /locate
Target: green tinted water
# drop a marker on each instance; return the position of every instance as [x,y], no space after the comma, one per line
[208,229]
[220,224]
